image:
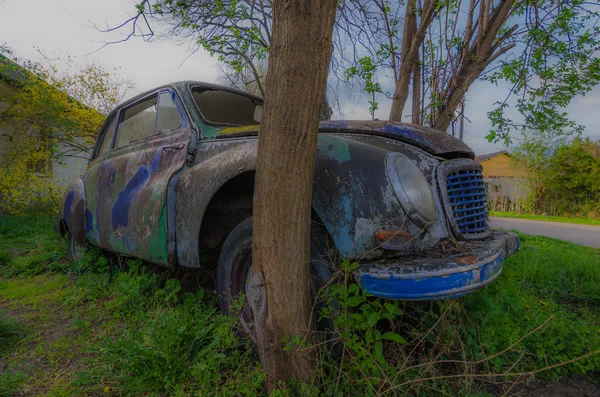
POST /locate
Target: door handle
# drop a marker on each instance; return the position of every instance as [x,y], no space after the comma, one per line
[173,148]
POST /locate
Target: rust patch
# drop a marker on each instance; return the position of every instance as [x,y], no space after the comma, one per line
[394,239]
[467,260]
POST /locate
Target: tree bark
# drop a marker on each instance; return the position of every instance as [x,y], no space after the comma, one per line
[411,42]
[297,73]
[416,99]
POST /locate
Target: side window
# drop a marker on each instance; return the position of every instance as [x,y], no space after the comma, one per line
[137,122]
[168,118]
[107,138]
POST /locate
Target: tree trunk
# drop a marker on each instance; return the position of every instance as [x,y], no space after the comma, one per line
[411,42]
[297,72]
[416,100]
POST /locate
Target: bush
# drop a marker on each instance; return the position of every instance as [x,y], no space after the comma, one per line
[564,179]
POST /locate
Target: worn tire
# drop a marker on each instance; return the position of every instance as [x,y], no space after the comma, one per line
[74,249]
[232,276]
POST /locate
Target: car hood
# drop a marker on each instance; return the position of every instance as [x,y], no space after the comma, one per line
[433,141]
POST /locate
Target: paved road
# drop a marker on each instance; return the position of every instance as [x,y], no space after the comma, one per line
[579,234]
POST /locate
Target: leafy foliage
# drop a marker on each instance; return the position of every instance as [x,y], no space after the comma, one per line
[558,61]
[564,175]
[365,70]
[50,112]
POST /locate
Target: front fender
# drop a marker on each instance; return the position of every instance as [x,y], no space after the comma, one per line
[72,210]
[352,195]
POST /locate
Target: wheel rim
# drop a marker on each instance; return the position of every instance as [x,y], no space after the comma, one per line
[76,253]
[241,274]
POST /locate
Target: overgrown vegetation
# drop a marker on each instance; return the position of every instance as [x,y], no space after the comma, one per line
[10,330]
[94,329]
[50,114]
[564,176]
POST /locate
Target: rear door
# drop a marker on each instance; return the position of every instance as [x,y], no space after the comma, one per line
[149,147]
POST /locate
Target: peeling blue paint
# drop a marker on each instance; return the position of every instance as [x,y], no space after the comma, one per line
[129,243]
[120,213]
[89,221]
[68,203]
[425,286]
[104,165]
[343,231]
[405,132]
[332,124]
[156,160]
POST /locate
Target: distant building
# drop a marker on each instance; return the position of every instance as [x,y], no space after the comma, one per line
[505,183]
[12,77]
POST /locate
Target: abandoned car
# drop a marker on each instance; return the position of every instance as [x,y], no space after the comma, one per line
[171,182]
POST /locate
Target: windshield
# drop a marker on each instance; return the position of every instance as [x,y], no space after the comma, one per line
[225,107]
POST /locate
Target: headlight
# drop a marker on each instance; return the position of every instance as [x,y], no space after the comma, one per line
[412,189]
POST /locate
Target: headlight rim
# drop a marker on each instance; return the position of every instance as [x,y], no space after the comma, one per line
[420,218]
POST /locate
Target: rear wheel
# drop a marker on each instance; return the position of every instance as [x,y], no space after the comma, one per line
[74,249]
[235,271]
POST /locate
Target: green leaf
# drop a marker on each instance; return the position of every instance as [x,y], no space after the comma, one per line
[373,318]
[394,337]
[358,317]
[354,301]
[378,349]
[393,308]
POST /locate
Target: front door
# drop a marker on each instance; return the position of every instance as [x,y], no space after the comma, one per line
[150,145]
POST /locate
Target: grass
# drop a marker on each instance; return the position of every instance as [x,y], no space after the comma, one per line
[10,331]
[563,219]
[91,329]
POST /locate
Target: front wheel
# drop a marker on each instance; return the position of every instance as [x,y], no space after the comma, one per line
[235,271]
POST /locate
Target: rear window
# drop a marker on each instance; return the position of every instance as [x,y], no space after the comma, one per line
[107,138]
[224,107]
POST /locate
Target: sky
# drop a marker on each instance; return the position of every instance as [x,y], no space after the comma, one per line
[59,27]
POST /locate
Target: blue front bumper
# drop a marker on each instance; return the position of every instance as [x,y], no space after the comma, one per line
[442,277]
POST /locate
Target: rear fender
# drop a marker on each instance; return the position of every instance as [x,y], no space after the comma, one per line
[72,211]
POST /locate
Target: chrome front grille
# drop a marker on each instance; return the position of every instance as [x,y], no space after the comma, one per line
[463,195]
[466,193]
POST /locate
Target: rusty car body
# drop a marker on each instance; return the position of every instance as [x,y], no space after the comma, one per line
[172,175]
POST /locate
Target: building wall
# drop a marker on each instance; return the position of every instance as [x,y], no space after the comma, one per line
[507,186]
[501,166]
[65,171]
[70,168]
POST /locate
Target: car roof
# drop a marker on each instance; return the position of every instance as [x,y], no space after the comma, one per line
[182,85]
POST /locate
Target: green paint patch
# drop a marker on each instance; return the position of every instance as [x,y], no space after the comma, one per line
[116,242]
[209,132]
[334,147]
[157,241]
